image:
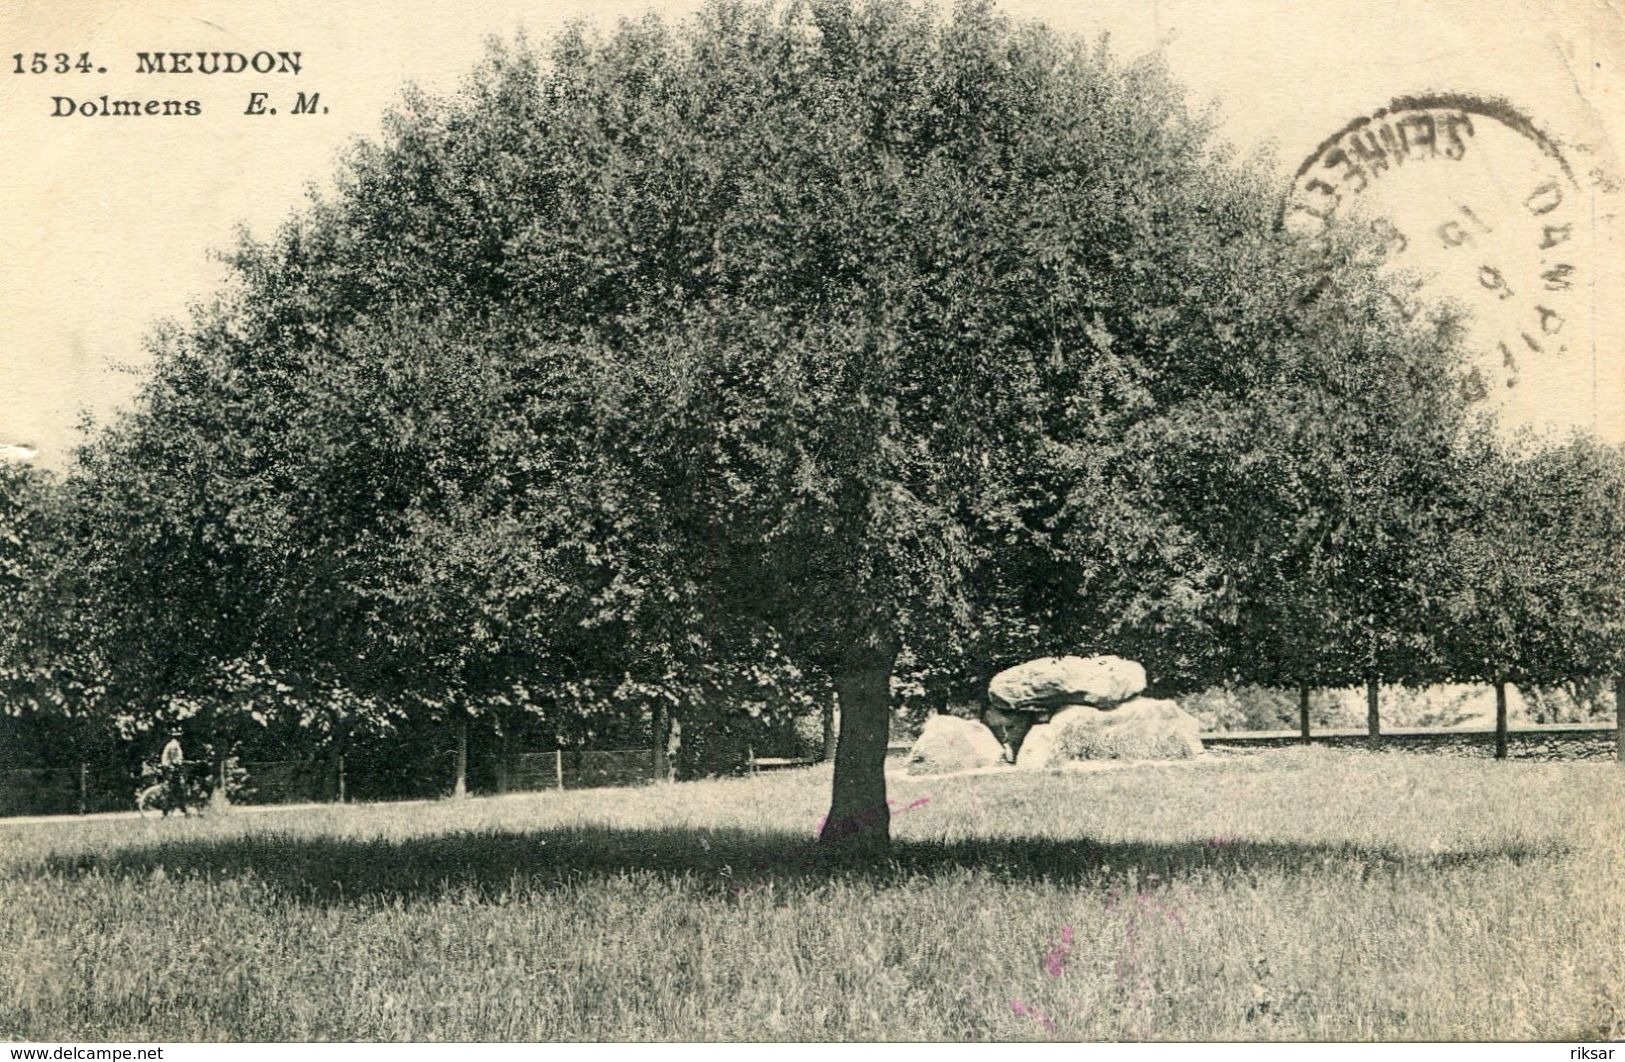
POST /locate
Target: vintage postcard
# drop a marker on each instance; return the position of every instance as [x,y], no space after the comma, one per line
[812,520]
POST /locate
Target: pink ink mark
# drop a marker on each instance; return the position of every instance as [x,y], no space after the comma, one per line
[856,822]
[1168,913]
[1130,978]
[1055,959]
[1144,901]
[1128,958]
[1223,841]
[1023,1010]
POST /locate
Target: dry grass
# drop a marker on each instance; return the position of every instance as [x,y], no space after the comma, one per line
[1300,894]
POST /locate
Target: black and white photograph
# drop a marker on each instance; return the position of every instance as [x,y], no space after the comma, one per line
[807,521]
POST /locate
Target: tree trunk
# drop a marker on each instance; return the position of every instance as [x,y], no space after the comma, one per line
[1619,716]
[219,799]
[502,756]
[459,787]
[828,751]
[660,738]
[859,818]
[333,788]
[1501,719]
[1303,713]
[339,745]
[1373,714]
[674,747]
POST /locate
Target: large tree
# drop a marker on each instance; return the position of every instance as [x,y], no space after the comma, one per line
[1326,501]
[1532,591]
[30,508]
[805,332]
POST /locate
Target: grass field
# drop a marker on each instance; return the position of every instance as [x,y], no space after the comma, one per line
[1296,894]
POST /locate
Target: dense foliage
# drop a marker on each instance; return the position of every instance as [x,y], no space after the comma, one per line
[690,372]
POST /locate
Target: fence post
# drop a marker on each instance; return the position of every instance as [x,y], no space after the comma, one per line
[84,787]
[558,768]
[341,778]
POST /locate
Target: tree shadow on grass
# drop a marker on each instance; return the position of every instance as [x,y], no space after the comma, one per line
[339,870]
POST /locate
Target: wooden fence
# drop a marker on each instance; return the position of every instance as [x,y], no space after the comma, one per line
[1551,741]
[581,769]
[95,788]
[48,791]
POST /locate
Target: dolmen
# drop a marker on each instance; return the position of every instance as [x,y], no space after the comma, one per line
[1049,712]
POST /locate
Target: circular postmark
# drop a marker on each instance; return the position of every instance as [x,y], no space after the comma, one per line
[1475,203]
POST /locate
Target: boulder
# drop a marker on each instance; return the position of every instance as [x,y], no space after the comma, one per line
[948,743]
[1038,751]
[1053,682]
[1011,728]
[1140,729]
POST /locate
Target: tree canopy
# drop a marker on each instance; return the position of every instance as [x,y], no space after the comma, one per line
[702,363]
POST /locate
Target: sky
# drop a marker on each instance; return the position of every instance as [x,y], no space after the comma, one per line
[109,222]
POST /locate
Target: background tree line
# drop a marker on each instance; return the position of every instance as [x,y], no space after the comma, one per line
[692,373]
